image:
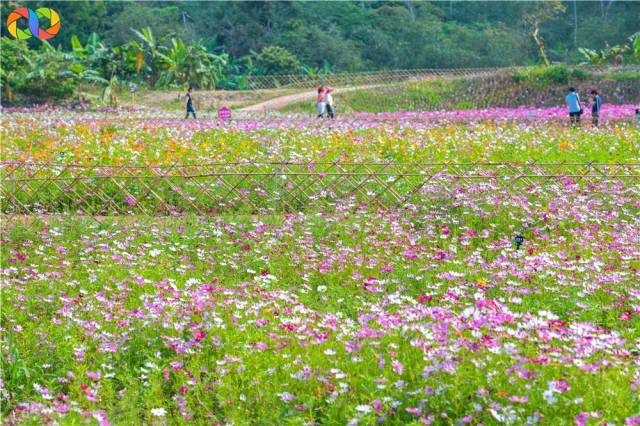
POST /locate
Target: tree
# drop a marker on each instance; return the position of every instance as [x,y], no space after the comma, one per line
[151,50]
[277,60]
[539,13]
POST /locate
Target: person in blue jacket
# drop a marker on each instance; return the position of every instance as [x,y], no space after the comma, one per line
[573,104]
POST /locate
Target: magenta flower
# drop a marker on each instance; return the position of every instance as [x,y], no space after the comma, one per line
[625,316]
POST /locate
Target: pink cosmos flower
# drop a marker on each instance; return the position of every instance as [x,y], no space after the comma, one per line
[410,254]
[93,375]
[397,366]
[413,410]
[560,386]
[425,299]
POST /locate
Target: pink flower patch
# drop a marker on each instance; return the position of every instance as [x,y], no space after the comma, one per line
[93,375]
[410,255]
[425,299]
[560,386]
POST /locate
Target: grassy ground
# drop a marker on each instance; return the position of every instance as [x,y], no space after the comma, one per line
[530,87]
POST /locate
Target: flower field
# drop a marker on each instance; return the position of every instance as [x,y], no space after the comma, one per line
[429,311]
[491,135]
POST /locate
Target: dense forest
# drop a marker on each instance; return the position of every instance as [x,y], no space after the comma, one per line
[219,44]
[361,35]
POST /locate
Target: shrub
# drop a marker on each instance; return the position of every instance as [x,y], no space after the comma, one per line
[547,76]
[277,60]
[48,81]
[34,76]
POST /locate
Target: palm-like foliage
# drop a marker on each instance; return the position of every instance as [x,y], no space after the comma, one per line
[190,64]
[150,61]
[627,53]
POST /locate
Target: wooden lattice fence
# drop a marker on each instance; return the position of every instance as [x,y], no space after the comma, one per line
[214,188]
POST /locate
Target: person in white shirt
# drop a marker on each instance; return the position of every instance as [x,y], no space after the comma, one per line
[330,107]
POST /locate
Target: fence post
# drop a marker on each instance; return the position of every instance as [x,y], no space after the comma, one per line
[275,188]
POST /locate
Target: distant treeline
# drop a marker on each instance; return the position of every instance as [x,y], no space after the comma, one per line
[362,35]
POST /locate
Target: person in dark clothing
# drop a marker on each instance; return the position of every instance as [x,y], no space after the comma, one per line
[330,106]
[190,108]
[595,108]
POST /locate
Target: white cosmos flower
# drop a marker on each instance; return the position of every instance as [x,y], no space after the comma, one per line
[364,409]
[158,412]
[549,396]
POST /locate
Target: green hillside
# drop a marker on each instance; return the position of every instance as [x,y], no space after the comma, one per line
[531,86]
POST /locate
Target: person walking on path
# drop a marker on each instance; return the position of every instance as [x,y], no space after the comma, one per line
[595,108]
[573,104]
[330,108]
[321,101]
[190,108]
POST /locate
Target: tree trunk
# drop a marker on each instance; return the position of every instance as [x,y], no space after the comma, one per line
[412,12]
[606,10]
[575,23]
[540,44]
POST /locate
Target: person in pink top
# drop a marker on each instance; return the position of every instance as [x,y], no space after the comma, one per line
[321,101]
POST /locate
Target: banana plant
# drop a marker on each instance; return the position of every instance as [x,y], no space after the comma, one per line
[109,92]
[151,49]
[191,64]
[85,75]
[593,57]
[628,53]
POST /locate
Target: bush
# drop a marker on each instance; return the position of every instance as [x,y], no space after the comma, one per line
[277,60]
[34,76]
[47,82]
[546,76]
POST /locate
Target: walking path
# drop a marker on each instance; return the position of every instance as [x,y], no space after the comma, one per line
[283,101]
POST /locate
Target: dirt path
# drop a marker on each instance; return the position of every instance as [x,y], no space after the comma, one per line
[283,101]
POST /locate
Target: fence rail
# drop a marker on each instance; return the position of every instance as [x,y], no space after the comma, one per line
[302,81]
[203,189]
